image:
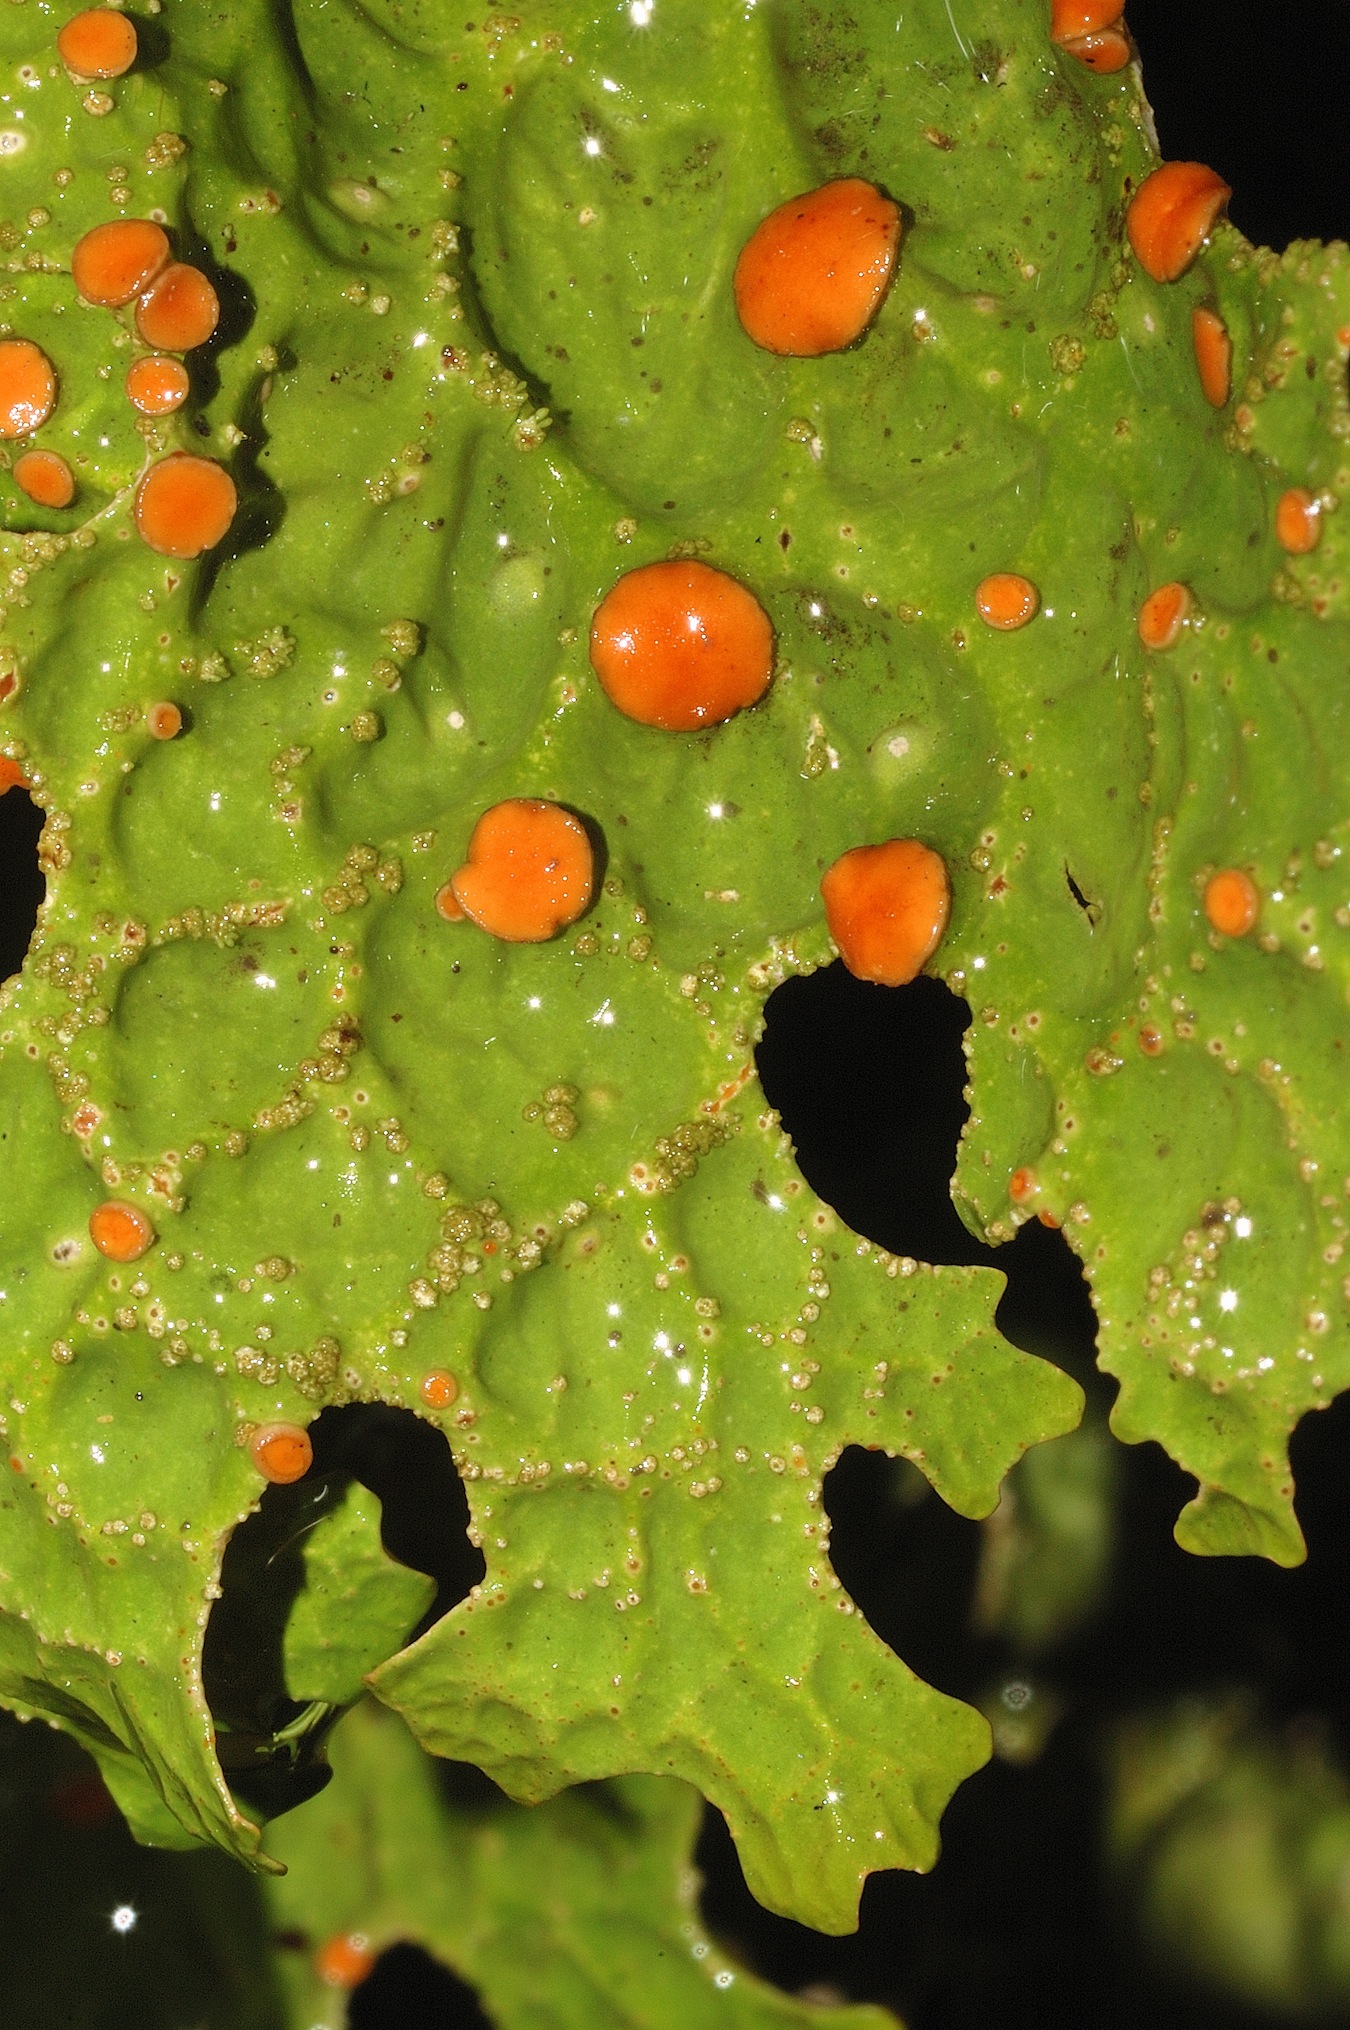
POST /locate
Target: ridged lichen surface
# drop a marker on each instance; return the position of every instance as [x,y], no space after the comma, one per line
[478,356]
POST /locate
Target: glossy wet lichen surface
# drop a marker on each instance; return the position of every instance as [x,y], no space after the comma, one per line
[478,356]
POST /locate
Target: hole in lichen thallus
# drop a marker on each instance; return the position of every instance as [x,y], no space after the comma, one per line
[870,1084]
[270,1745]
[22,887]
[906,1560]
[416,1992]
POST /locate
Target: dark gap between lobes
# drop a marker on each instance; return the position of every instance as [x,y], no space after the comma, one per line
[408,1466]
[870,1084]
[411,1990]
[22,887]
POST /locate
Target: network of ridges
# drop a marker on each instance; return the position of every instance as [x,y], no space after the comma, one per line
[481,357]
[1180,1113]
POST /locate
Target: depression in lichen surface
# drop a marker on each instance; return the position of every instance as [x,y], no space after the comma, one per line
[459,617]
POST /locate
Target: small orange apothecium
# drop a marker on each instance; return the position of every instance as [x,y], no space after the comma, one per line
[1171,215]
[157,385]
[281,1452]
[1298,521]
[1071,19]
[100,43]
[1163,615]
[118,260]
[438,1388]
[345,1960]
[1213,355]
[27,387]
[681,646]
[179,310]
[887,908]
[46,478]
[811,277]
[1006,601]
[165,720]
[11,775]
[1110,51]
[529,873]
[1232,902]
[120,1231]
[185,505]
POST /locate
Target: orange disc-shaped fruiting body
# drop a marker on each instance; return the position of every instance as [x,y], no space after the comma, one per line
[1163,615]
[1232,902]
[180,309]
[344,1961]
[1213,355]
[117,261]
[100,43]
[1171,215]
[184,505]
[1107,52]
[681,646]
[120,1231]
[157,385]
[11,775]
[529,873]
[811,277]
[1022,1185]
[438,1388]
[46,478]
[164,720]
[887,908]
[281,1452]
[27,387]
[1070,20]
[447,904]
[1298,521]
[1006,601]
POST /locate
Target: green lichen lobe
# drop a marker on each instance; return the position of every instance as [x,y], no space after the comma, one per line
[479,356]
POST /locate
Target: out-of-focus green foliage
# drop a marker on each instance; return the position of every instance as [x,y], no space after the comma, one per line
[1048,1546]
[581,1914]
[1232,1843]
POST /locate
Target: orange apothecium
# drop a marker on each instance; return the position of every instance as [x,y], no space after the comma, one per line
[530,871]
[681,646]
[100,43]
[811,276]
[281,1452]
[46,478]
[1005,600]
[120,1231]
[179,310]
[27,387]
[1213,355]
[887,908]
[1163,615]
[157,385]
[115,262]
[1171,215]
[185,505]
[1232,902]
